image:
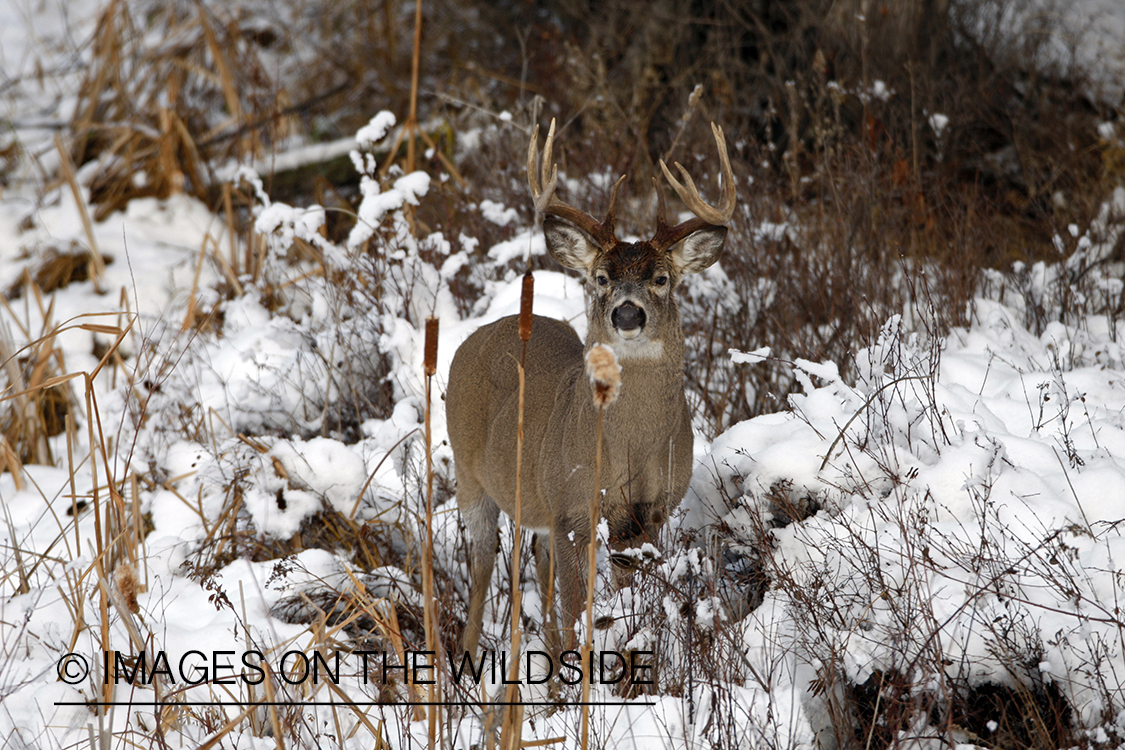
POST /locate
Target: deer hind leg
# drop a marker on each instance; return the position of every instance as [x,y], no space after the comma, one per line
[482,517]
[548,589]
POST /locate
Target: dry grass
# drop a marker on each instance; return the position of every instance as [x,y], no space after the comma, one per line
[36,402]
[870,212]
[868,191]
[145,112]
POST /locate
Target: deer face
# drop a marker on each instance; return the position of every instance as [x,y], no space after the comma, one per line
[629,285]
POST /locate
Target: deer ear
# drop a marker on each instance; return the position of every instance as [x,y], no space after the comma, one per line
[568,244]
[699,250]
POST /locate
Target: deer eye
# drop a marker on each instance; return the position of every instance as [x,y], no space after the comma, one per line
[661,280]
[602,279]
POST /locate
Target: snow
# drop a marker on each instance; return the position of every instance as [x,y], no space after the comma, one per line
[971,488]
[497,213]
[965,497]
[376,130]
[327,468]
[749,358]
[1093,37]
[1027,461]
[938,122]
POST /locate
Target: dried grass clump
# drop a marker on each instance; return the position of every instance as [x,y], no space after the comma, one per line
[158,114]
[56,269]
[35,402]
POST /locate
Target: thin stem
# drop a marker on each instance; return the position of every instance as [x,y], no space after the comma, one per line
[412,121]
[514,716]
[591,578]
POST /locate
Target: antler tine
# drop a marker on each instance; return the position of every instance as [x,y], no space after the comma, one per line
[715,215]
[542,186]
[610,222]
[543,182]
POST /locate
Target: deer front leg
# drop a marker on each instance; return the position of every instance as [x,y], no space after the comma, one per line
[636,524]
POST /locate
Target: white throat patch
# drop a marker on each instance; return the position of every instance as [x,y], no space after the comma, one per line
[648,349]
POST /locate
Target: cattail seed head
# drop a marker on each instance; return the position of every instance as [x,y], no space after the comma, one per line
[526,296]
[127,583]
[605,374]
[429,362]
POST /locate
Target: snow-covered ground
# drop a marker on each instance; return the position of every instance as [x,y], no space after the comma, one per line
[952,518]
[964,497]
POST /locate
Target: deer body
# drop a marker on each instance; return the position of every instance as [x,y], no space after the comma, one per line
[647,436]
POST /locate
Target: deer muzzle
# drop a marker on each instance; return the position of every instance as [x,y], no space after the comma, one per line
[628,319]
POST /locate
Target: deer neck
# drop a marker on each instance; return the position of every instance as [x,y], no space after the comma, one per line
[650,397]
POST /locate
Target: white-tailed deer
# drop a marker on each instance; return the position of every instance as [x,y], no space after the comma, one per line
[647,437]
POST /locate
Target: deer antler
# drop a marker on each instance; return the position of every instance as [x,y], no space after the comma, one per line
[542,182]
[705,215]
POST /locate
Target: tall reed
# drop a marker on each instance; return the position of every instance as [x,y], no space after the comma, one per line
[433,640]
[605,376]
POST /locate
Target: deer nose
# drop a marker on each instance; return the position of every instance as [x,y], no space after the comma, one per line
[627,317]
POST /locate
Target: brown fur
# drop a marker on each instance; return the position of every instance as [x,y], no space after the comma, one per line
[647,438]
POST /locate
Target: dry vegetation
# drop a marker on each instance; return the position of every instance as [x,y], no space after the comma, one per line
[875,210]
[829,118]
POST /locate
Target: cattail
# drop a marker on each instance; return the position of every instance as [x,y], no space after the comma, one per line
[526,297]
[605,374]
[127,583]
[429,361]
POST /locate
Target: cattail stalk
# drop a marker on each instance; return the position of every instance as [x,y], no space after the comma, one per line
[99,537]
[429,366]
[514,717]
[526,296]
[605,377]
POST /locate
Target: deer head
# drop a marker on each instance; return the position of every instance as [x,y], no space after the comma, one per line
[630,284]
